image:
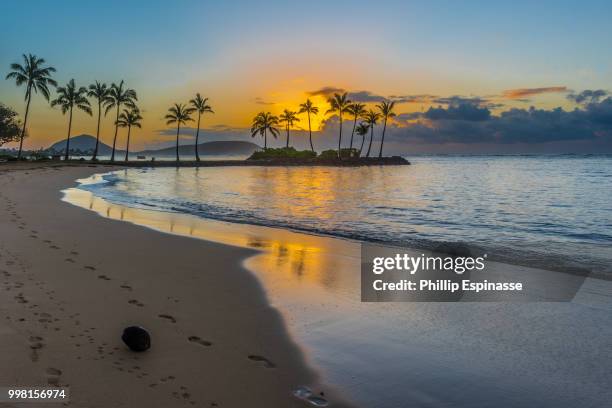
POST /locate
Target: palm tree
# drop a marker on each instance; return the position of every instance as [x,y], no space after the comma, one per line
[362,130]
[309,108]
[36,77]
[200,105]
[119,96]
[129,118]
[262,123]
[179,114]
[357,110]
[99,92]
[67,98]
[386,109]
[339,103]
[289,117]
[371,118]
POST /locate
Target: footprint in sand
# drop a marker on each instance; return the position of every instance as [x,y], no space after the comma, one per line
[135,302]
[264,361]
[54,247]
[35,343]
[126,287]
[69,260]
[197,340]
[91,268]
[104,277]
[74,253]
[53,375]
[167,317]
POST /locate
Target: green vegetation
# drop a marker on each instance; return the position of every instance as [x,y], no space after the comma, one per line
[119,96]
[201,106]
[100,93]
[69,97]
[37,78]
[129,119]
[340,104]
[263,123]
[9,125]
[283,153]
[179,114]
[308,108]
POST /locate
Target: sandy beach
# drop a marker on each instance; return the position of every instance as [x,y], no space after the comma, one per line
[73,280]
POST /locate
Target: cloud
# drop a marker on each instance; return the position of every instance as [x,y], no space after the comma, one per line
[413,98]
[326,91]
[365,96]
[260,101]
[469,123]
[587,96]
[459,111]
[522,93]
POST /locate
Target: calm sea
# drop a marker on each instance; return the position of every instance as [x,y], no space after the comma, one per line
[548,211]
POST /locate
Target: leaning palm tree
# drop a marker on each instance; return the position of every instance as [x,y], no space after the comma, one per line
[119,96]
[129,118]
[289,118]
[362,130]
[357,110]
[308,108]
[68,97]
[340,104]
[99,92]
[200,105]
[37,78]
[371,118]
[386,110]
[179,114]
[262,123]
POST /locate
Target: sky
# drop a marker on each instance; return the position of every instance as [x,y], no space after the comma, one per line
[473,76]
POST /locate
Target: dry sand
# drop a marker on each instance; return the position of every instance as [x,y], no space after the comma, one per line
[71,281]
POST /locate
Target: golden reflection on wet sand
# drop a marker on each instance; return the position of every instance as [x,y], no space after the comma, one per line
[291,264]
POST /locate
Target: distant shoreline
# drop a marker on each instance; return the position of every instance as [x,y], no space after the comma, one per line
[354,162]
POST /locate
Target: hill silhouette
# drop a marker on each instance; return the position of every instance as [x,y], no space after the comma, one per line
[86,144]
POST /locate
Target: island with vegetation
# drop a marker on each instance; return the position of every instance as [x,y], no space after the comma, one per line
[121,102]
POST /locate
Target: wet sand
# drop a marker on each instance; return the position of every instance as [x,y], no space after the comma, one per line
[542,354]
[71,281]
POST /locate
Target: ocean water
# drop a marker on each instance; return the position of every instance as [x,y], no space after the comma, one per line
[553,212]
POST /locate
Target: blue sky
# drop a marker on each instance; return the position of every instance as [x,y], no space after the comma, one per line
[241,52]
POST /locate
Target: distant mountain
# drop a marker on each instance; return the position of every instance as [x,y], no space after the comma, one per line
[218,148]
[87,143]
[83,143]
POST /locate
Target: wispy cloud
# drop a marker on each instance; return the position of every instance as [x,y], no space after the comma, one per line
[522,93]
[260,101]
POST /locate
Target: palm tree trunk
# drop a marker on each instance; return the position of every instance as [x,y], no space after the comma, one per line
[353,132]
[115,138]
[287,135]
[178,129]
[382,140]
[127,148]
[362,142]
[67,156]
[95,154]
[25,120]
[340,137]
[310,133]
[265,140]
[371,138]
[197,137]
